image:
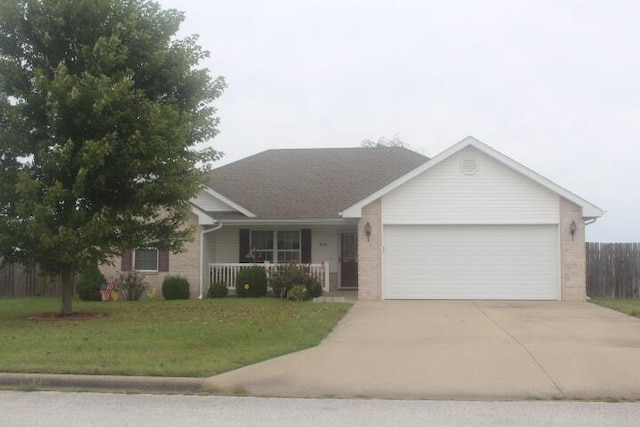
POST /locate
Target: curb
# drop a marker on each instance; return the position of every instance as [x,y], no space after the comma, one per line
[103,382]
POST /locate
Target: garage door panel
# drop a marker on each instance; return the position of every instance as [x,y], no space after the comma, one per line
[470,262]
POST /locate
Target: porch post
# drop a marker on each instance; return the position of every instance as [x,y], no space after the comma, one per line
[202,261]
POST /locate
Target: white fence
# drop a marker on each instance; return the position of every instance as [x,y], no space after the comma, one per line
[227,272]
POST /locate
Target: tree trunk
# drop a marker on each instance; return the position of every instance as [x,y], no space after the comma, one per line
[68,287]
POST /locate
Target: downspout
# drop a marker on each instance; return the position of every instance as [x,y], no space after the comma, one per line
[217,227]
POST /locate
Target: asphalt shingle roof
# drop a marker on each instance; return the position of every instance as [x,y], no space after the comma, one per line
[311,183]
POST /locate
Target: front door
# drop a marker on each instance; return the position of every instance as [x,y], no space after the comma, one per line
[349,261]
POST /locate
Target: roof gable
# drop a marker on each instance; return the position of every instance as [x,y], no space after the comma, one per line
[208,200]
[589,210]
[294,184]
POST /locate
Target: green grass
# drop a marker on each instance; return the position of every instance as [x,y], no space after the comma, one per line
[627,306]
[165,338]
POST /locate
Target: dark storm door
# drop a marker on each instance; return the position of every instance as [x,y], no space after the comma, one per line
[349,261]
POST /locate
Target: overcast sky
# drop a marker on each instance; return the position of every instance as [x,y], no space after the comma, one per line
[555,85]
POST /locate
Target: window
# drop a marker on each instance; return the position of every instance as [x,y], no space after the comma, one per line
[275,246]
[288,246]
[262,245]
[145,260]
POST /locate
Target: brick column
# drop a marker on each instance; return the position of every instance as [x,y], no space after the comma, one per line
[370,253]
[573,262]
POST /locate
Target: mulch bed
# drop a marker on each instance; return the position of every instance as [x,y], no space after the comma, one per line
[52,316]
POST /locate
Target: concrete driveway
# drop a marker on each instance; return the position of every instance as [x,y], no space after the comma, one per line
[458,350]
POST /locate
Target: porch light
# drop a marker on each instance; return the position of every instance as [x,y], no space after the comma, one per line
[572,229]
[367,230]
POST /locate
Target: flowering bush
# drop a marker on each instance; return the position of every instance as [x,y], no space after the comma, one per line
[130,286]
[251,281]
[285,276]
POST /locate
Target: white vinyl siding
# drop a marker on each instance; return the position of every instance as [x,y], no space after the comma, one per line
[210,246]
[324,246]
[470,262]
[226,244]
[495,194]
[209,203]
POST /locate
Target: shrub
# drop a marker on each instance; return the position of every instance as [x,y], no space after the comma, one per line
[175,287]
[130,285]
[218,290]
[285,276]
[313,285]
[88,286]
[251,282]
[298,293]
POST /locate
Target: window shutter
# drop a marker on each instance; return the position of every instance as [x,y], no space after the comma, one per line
[305,245]
[127,259]
[244,245]
[163,261]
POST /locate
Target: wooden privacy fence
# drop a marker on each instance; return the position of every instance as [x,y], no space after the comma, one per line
[19,281]
[613,270]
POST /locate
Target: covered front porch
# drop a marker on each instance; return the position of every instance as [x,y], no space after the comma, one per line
[330,251]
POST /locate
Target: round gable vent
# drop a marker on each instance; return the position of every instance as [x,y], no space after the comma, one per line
[469,165]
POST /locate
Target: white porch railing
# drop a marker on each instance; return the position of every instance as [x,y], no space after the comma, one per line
[227,272]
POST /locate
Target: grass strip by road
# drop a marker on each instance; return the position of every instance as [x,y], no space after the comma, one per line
[627,306]
[163,338]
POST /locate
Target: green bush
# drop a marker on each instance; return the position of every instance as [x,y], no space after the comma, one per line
[285,276]
[251,282]
[218,290]
[88,286]
[175,287]
[314,287]
[131,285]
[298,293]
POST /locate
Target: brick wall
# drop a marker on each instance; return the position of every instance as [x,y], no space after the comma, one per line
[185,264]
[573,264]
[370,254]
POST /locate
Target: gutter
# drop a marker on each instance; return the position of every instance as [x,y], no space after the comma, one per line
[216,228]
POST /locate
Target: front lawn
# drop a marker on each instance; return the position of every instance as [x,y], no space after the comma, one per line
[627,306]
[166,338]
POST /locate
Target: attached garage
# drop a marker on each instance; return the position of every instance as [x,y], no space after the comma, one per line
[472,223]
[518,262]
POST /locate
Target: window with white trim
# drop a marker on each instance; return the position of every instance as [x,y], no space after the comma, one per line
[145,259]
[288,248]
[275,245]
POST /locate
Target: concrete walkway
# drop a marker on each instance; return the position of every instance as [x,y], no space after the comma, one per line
[458,350]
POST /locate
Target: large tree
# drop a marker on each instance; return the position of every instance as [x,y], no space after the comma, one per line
[102,111]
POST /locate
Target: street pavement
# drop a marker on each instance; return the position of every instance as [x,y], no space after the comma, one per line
[33,409]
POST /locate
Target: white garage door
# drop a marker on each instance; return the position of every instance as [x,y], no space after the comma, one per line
[516,262]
